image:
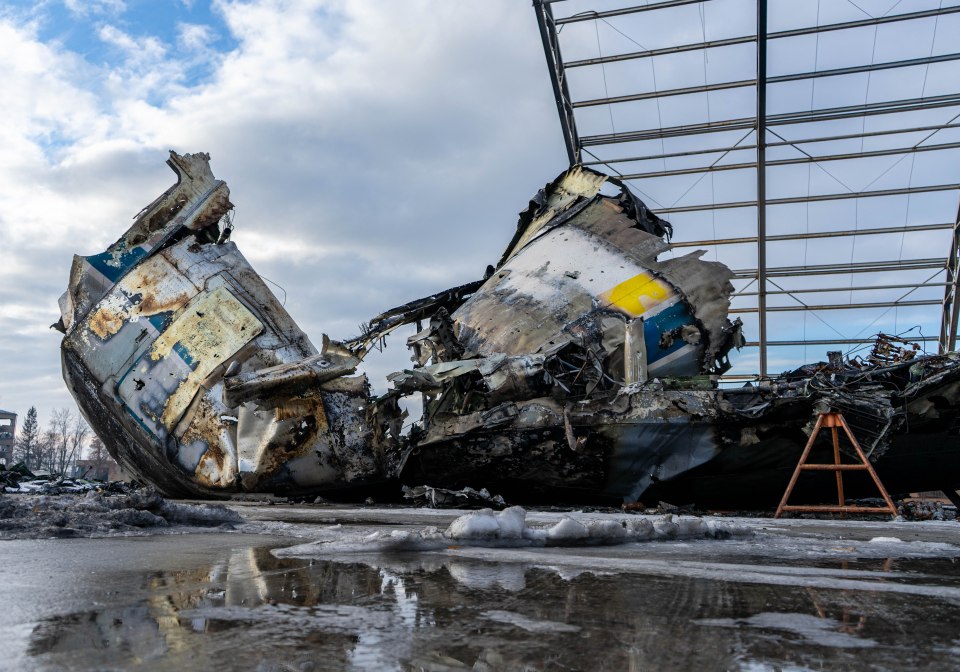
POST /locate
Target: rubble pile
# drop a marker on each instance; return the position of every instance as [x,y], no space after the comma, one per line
[927,510]
[441,498]
[19,479]
[96,514]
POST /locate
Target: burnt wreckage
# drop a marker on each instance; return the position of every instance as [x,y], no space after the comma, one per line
[582,367]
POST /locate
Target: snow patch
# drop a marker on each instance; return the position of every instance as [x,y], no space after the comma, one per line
[480,525]
[508,529]
[567,530]
[102,515]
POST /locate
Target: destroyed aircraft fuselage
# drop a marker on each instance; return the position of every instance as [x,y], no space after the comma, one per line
[190,370]
[583,365]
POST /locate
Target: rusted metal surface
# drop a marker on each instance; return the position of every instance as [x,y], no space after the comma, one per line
[583,365]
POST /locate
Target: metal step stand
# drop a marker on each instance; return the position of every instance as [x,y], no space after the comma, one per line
[833,420]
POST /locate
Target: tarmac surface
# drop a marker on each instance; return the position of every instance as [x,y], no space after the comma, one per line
[791,595]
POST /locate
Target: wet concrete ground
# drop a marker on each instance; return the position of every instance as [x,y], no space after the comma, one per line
[798,595]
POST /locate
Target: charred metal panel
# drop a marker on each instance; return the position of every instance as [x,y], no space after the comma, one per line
[539,376]
[580,255]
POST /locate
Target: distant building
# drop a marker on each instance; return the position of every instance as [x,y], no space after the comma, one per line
[8,433]
[105,469]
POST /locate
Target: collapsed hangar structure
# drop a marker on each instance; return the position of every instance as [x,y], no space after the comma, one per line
[813,147]
[594,360]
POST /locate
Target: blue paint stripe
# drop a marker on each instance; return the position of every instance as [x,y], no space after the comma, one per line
[675,316]
[140,422]
[114,265]
[185,355]
[161,321]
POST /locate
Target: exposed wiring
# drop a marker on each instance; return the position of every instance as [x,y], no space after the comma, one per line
[603,71]
[284,302]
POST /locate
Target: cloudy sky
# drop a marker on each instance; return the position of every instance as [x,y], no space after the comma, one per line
[376,151]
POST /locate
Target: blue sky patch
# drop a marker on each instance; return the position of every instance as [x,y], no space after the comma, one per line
[79,31]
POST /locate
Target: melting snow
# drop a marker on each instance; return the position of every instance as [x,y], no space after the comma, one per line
[509,529]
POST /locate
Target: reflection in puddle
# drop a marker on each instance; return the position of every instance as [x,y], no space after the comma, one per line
[251,610]
[811,629]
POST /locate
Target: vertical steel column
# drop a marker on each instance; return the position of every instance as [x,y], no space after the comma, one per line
[551,49]
[951,304]
[762,180]
[949,297]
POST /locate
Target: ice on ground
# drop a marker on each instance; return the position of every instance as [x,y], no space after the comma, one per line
[640,528]
[509,529]
[666,528]
[886,540]
[567,530]
[427,539]
[607,531]
[512,522]
[481,525]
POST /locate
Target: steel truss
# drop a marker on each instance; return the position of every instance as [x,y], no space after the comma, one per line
[766,142]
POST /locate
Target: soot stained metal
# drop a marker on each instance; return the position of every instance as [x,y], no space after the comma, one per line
[582,366]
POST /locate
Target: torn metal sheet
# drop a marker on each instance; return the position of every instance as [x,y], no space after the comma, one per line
[439,498]
[582,366]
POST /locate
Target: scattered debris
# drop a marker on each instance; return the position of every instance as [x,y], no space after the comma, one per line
[926,510]
[101,515]
[19,479]
[438,498]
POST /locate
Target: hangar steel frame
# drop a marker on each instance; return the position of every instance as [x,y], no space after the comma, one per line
[797,136]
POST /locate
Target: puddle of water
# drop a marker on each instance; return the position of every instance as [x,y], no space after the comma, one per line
[239,607]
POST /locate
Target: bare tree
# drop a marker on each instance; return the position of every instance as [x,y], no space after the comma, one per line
[79,432]
[67,433]
[44,451]
[99,458]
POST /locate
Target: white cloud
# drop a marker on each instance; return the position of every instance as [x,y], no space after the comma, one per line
[95,7]
[195,36]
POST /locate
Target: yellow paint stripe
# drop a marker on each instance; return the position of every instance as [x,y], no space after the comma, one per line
[638,294]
